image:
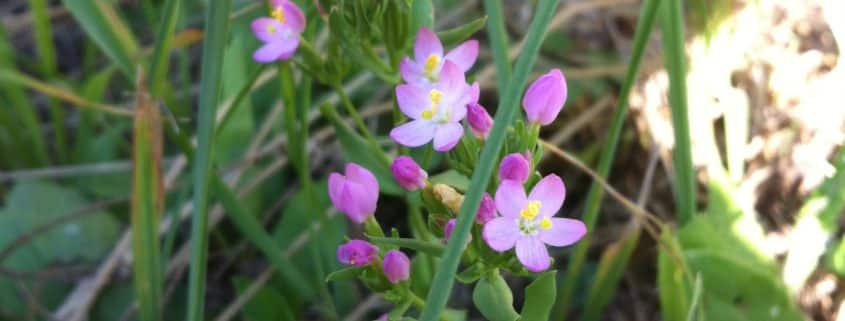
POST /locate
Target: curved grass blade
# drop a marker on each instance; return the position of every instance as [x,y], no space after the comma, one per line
[641,36]
[102,23]
[161,52]
[444,278]
[498,42]
[216,31]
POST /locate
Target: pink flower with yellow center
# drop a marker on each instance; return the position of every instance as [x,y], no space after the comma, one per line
[429,60]
[279,32]
[528,222]
[435,112]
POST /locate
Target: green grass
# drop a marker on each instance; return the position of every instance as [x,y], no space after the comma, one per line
[498,42]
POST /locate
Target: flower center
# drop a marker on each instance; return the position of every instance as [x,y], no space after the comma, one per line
[430,63]
[435,96]
[271,29]
[278,14]
[528,223]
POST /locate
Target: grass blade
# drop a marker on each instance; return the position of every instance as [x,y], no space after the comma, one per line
[610,270]
[506,112]
[216,31]
[672,31]
[642,32]
[147,205]
[161,53]
[423,14]
[9,76]
[498,42]
[103,24]
[43,36]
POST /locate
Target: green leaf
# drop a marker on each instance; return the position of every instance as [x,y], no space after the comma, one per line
[347,273]
[611,268]
[266,305]
[161,52]
[498,42]
[506,113]
[451,178]
[423,14]
[458,34]
[493,298]
[672,284]
[104,25]
[434,249]
[539,298]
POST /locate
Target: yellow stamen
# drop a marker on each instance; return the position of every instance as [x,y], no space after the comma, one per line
[278,14]
[546,223]
[435,96]
[430,63]
[427,114]
[530,212]
[271,28]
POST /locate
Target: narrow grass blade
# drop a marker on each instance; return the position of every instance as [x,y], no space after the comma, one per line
[648,12]
[816,224]
[147,205]
[423,14]
[216,31]
[102,23]
[161,52]
[43,36]
[9,76]
[508,106]
[672,31]
[611,267]
[498,42]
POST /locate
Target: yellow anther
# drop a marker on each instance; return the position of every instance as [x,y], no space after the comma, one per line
[530,212]
[430,63]
[278,14]
[271,28]
[427,114]
[435,96]
[546,223]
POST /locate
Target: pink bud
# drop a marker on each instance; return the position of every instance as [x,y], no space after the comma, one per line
[448,228]
[545,97]
[479,120]
[514,167]
[396,266]
[357,253]
[355,193]
[408,174]
[486,211]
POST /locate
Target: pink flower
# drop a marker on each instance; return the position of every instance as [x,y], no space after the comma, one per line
[528,222]
[429,60]
[396,266]
[355,193]
[545,97]
[486,211]
[514,167]
[408,174]
[448,228]
[279,33]
[435,113]
[357,253]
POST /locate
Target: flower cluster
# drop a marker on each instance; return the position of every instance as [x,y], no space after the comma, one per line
[279,33]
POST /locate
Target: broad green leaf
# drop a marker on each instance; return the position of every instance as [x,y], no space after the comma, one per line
[454,36]
[539,298]
[672,284]
[347,273]
[104,25]
[493,298]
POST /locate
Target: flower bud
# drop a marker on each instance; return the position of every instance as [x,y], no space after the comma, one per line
[448,228]
[408,174]
[448,196]
[479,120]
[396,266]
[514,167]
[545,97]
[357,253]
[487,210]
[355,193]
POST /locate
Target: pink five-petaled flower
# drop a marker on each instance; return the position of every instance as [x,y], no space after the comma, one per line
[435,112]
[514,167]
[357,253]
[355,193]
[486,211]
[527,222]
[396,266]
[429,60]
[545,97]
[408,174]
[279,33]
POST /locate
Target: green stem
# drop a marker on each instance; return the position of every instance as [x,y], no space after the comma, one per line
[356,117]
[498,42]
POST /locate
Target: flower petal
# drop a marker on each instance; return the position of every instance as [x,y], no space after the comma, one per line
[361,175]
[293,16]
[411,72]
[550,192]
[412,100]
[414,133]
[474,93]
[464,55]
[510,198]
[533,254]
[427,43]
[279,49]
[564,231]
[336,182]
[447,136]
[266,29]
[452,81]
[501,233]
